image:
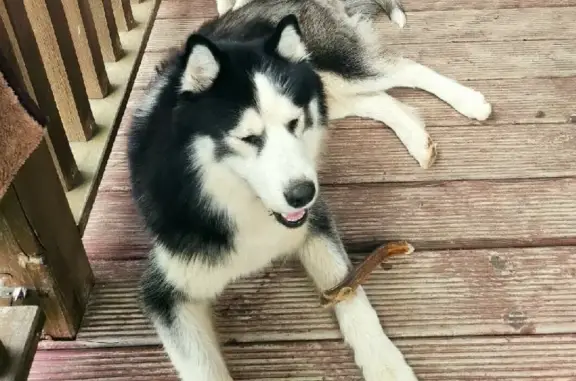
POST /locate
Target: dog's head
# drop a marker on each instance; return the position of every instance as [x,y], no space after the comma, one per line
[260,112]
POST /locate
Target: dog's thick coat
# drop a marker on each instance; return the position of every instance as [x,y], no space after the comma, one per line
[223,156]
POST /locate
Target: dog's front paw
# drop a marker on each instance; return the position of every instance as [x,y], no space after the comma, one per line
[389,371]
[473,105]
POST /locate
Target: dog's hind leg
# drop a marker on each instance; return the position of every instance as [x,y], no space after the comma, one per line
[327,263]
[407,73]
[401,118]
[191,343]
[402,72]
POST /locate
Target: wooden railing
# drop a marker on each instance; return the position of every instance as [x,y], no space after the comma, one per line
[75,60]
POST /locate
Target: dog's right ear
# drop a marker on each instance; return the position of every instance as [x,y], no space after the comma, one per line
[202,64]
[287,41]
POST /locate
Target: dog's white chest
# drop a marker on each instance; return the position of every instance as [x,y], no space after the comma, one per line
[258,241]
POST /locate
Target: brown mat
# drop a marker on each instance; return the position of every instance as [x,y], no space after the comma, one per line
[20,134]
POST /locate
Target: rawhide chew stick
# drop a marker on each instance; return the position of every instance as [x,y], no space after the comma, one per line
[348,286]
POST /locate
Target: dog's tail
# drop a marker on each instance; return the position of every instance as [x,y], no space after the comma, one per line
[372,8]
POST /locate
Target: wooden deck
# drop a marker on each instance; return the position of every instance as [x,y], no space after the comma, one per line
[490,293]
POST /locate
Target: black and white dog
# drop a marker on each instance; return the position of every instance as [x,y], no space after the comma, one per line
[223,156]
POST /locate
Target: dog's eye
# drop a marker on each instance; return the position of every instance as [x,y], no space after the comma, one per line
[252,139]
[292,125]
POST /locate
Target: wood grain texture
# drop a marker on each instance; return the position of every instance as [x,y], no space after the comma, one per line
[123,14]
[106,29]
[52,34]
[63,273]
[442,215]
[457,214]
[85,38]
[363,151]
[543,358]
[438,5]
[19,333]
[176,9]
[430,293]
[522,24]
[460,25]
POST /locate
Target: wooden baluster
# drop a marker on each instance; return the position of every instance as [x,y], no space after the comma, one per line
[106,29]
[40,244]
[53,263]
[85,40]
[123,14]
[29,73]
[45,22]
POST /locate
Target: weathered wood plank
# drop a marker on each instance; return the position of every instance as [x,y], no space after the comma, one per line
[543,358]
[106,29]
[364,155]
[431,293]
[85,38]
[50,28]
[20,328]
[457,214]
[484,25]
[444,215]
[123,14]
[463,61]
[61,271]
[363,151]
[175,9]
[432,27]
[438,5]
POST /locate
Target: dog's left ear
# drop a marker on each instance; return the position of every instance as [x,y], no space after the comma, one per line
[287,42]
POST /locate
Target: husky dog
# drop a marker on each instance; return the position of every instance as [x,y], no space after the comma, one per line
[224,151]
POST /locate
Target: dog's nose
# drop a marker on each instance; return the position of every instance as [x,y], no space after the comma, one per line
[300,193]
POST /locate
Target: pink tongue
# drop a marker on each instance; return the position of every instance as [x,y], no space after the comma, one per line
[294,216]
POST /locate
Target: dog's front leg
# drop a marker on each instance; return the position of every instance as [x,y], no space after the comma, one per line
[327,263]
[191,343]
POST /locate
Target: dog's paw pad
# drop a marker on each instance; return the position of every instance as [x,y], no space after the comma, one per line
[398,17]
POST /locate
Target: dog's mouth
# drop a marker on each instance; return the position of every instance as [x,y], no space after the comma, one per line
[292,220]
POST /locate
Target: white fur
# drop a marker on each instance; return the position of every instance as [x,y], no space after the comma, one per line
[401,118]
[398,17]
[379,359]
[239,3]
[286,157]
[192,345]
[291,46]
[407,73]
[366,98]
[201,70]
[223,6]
